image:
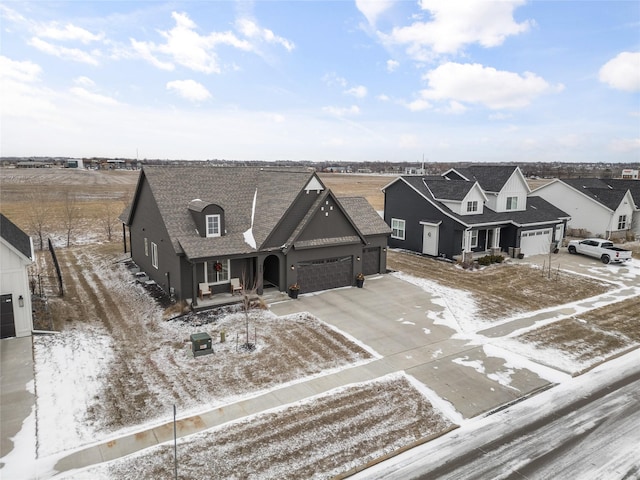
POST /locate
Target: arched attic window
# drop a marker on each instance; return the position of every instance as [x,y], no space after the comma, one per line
[208,217]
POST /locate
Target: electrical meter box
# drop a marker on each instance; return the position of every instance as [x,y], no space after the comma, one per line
[201,344]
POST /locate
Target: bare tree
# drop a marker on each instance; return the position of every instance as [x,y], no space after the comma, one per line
[108,218]
[71,214]
[39,209]
[248,292]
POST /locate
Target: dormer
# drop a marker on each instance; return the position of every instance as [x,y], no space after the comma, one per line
[208,217]
[473,202]
[512,197]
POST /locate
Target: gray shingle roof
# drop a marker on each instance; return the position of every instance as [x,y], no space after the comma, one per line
[490,177]
[442,188]
[15,236]
[368,221]
[233,189]
[606,192]
[538,210]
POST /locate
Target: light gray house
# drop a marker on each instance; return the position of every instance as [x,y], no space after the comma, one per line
[16,254]
[605,208]
[201,226]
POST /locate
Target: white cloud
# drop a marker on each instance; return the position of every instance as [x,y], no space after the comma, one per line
[84,82]
[68,32]
[622,72]
[359,92]
[65,53]
[92,97]
[144,51]
[455,108]
[455,24]
[19,71]
[252,30]
[392,65]
[189,89]
[332,79]
[342,112]
[624,145]
[419,105]
[476,84]
[185,46]
[372,9]
[383,98]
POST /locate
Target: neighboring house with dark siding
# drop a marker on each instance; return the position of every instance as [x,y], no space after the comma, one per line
[16,254]
[466,211]
[268,226]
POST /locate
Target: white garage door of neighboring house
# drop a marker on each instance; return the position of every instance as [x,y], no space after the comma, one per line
[535,242]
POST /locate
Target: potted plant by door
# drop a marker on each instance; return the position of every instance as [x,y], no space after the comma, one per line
[294,289]
[359,280]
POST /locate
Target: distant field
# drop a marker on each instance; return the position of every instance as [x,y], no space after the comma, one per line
[367,186]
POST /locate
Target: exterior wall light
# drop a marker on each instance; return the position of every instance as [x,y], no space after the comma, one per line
[293,267]
[21,301]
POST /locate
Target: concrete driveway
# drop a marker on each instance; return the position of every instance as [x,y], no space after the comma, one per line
[391,317]
[395,319]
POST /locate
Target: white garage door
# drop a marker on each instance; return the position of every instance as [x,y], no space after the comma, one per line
[535,242]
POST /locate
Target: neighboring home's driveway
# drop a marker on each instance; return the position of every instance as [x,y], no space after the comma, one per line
[404,325]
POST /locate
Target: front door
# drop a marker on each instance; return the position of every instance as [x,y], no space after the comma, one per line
[7,322]
[430,239]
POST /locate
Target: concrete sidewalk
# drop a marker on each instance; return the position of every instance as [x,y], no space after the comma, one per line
[16,382]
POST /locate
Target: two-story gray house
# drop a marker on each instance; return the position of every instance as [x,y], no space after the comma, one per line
[469,210]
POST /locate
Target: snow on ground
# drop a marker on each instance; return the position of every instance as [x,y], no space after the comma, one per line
[71,369]
[610,453]
[458,307]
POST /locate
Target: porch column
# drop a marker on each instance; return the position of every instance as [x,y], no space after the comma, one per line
[496,237]
[194,285]
[466,241]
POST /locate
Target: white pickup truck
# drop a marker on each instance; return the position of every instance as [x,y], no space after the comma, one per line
[602,249]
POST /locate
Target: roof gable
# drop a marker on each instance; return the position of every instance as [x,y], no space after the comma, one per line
[16,238]
[326,222]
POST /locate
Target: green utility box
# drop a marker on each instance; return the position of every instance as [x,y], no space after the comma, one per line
[201,344]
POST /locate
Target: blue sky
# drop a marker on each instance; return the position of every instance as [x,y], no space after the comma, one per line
[506,81]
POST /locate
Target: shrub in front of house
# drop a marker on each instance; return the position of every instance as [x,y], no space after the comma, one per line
[489,259]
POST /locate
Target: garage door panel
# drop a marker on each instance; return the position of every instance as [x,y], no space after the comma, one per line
[325,274]
[371,260]
[535,242]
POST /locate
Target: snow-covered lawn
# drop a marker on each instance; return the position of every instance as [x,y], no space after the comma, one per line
[319,437]
[117,367]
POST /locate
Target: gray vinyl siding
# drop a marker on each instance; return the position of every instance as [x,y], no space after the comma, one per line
[147,223]
[402,202]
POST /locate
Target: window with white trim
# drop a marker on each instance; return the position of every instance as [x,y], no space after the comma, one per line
[154,255]
[474,238]
[218,271]
[622,222]
[213,225]
[397,228]
[512,203]
[472,206]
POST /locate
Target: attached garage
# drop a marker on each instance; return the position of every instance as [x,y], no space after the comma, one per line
[536,242]
[325,274]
